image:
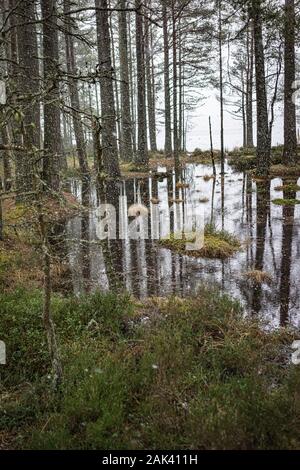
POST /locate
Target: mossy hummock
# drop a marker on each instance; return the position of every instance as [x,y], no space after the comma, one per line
[217,244]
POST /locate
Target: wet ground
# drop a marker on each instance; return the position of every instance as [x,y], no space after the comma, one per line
[269,234]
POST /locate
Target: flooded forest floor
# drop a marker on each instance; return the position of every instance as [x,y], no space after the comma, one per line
[159,349]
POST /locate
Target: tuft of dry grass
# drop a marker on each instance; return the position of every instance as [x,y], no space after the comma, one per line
[208,177]
[259,277]
[176,201]
[181,185]
[288,187]
[283,170]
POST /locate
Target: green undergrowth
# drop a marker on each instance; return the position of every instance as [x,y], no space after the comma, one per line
[217,244]
[196,375]
[290,187]
[285,170]
[286,202]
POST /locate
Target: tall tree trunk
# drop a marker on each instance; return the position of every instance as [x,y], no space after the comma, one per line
[263,141]
[141,157]
[132,88]
[168,134]
[126,124]
[6,157]
[28,85]
[175,108]
[116,89]
[73,91]
[108,114]
[221,88]
[149,77]
[4,133]
[290,133]
[52,130]
[249,99]
[180,85]
[153,83]
[244,109]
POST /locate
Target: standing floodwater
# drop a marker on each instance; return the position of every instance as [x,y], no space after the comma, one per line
[269,234]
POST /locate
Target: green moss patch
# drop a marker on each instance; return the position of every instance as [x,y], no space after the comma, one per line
[288,187]
[217,244]
[283,170]
[286,202]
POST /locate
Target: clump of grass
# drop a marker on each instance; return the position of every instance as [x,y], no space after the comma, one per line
[176,201]
[134,168]
[288,187]
[217,243]
[243,162]
[286,202]
[284,170]
[259,277]
[181,185]
[207,178]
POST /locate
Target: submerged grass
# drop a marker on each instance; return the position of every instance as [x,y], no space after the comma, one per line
[197,375]
[217,243]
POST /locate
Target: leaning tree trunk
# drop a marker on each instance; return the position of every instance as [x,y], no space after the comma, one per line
[73,91]
[290,132]
[27,86]
[142,156]
[263,140]
[108,114]
[52,131]
[168,135]
[126,124]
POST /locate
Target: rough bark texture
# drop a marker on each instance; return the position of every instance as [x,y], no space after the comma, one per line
[290,133]
[221,89]
[126,124]
[28,87]
[6,156]
[150,87]
[108,115]
[168,135]
[263,141]
[141,157]
[288,213]
[175,107]
[52,131]
[249,98]
[73,91]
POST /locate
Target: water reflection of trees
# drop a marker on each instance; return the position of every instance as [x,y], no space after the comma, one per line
[143,268]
